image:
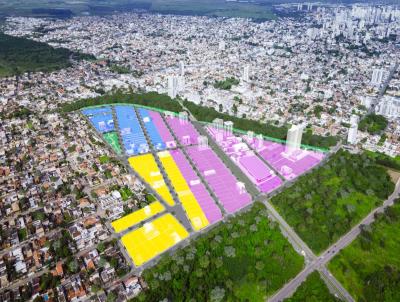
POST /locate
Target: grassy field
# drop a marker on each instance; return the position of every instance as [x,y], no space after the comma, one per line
[369,268]
[65,8]
[325,204]
[312,290]
[112,139]
[245,259]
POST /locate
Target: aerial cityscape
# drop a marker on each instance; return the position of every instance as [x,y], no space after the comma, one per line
[182,150]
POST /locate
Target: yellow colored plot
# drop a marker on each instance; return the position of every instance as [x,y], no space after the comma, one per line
[146,166]
[153,238]
[188,200]
[134,218]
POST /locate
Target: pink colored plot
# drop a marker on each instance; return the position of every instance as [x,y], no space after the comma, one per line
[231,194]
[289,165]
[207,204]
[162,129]
[259,173]
[256,170]
[184,130]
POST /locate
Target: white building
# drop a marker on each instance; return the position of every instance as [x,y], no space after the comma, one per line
[353,131]
[378,75]
[221,45]
[294,136]
[172,86]
[181,68]
[246,73]
[389,107]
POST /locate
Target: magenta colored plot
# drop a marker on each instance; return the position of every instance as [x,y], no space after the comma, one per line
[259,173]
[184,130]
[220,179]
[290,165]
[256,170]
[207,204]
[162,129]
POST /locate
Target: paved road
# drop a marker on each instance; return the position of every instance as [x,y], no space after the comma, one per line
[298,243]
[333,250]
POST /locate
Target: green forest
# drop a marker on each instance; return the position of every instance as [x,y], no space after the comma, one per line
[152,99]
[326,203]
[244,259]
[373,123]
[20,55]
[369,268]
[312,290]
[207,114]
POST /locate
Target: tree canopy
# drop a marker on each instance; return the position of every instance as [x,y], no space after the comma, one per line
[325,204]
[373,123]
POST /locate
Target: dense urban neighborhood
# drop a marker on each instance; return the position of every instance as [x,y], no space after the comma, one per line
[188,157]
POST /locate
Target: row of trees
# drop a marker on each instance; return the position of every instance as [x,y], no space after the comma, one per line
[245,259]
[152,99]
[326,203]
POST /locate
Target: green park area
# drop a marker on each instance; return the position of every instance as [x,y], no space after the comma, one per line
[226,84]
[20,55]
[325,204]
[112,139]
[312,290]
[244,259]
[369,268]
[373,123]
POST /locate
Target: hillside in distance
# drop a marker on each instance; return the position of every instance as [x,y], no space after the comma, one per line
[67,8]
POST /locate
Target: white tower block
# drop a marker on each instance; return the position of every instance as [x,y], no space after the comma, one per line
[172,86]
[293,141]
[202,142]
[260,141]
[218,124]
[183,118]
[240,187]
[246,73]
[181,68]
[250,136]
[221,45]
[353,131]
[228,127]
